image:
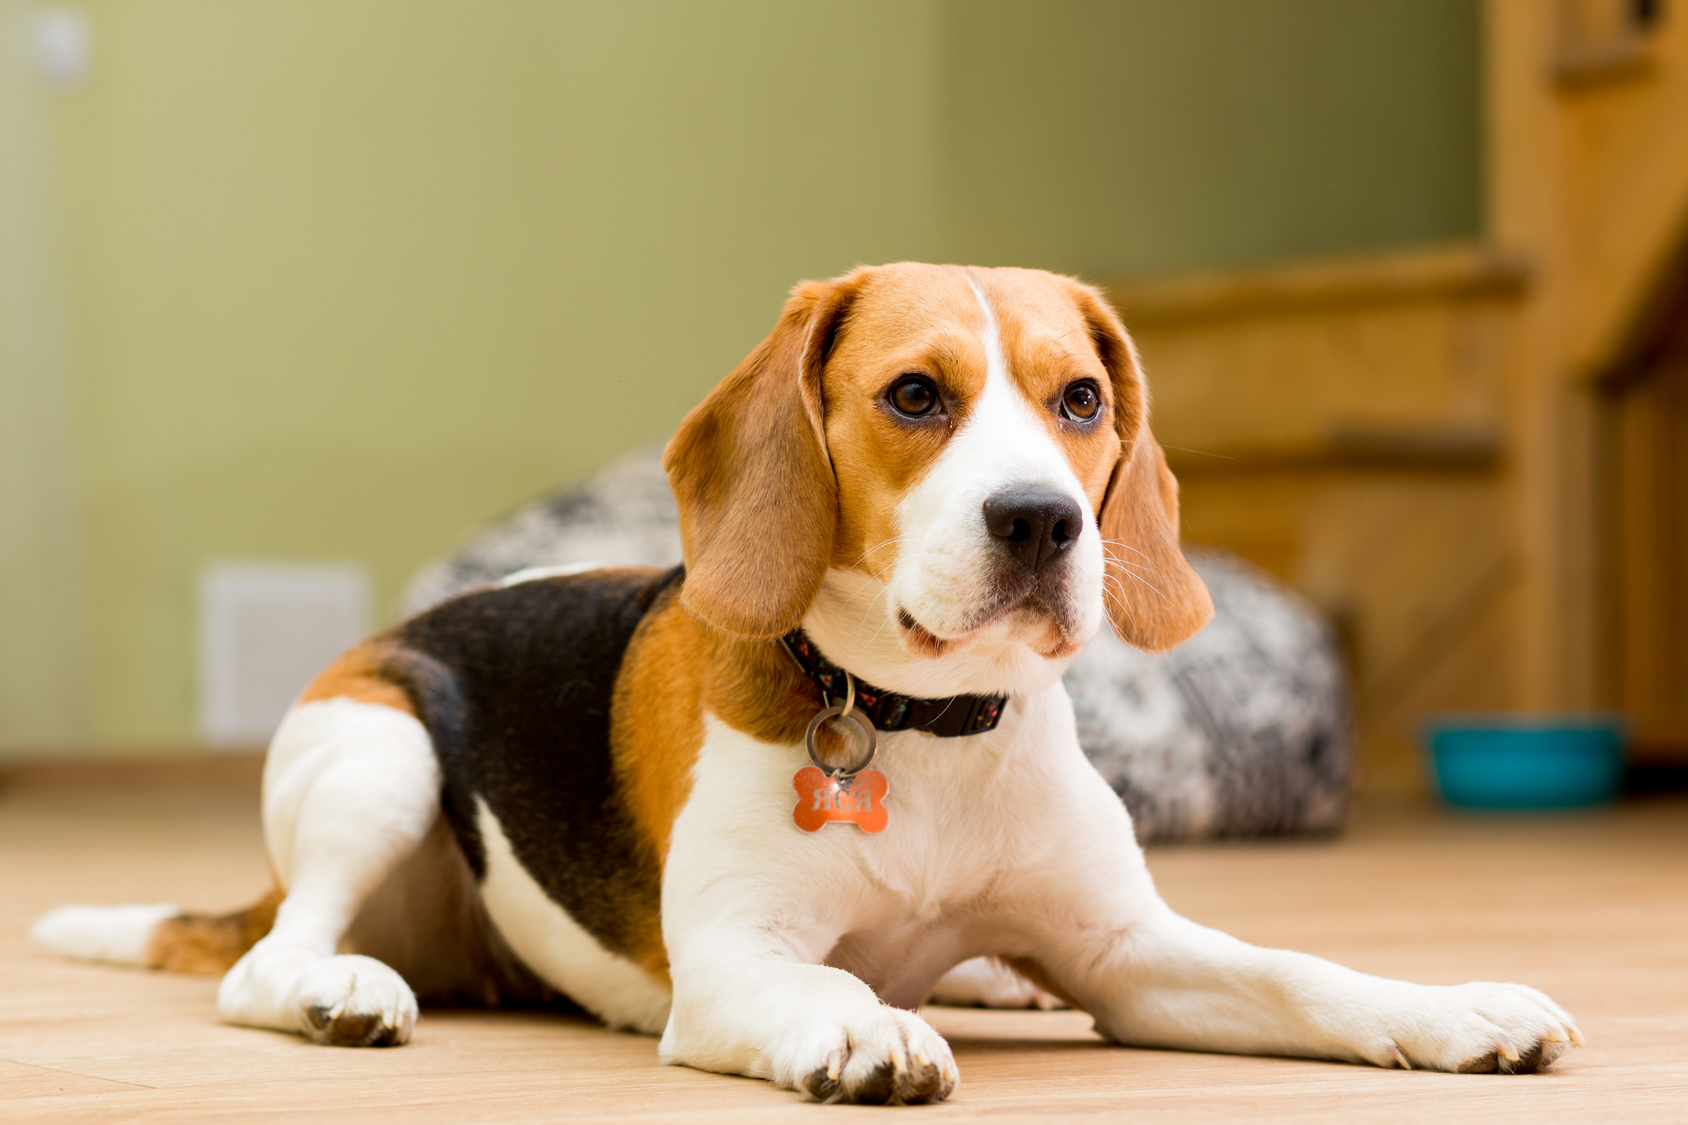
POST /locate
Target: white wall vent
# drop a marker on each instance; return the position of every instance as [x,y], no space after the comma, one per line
[265,631]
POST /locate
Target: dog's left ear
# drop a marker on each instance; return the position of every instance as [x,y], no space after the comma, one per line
[750,470]
[1154,598]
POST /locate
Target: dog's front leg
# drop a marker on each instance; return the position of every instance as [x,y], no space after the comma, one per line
[1167,982]
[751,908]
[1153,978]
[746,1002]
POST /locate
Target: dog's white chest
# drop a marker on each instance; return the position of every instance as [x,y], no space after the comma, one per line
[896,908]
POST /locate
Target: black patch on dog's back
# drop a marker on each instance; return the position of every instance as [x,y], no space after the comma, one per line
[514,685]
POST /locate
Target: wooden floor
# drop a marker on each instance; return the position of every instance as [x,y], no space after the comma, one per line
[1592,908]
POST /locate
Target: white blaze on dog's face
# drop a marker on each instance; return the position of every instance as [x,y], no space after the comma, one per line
[971,424]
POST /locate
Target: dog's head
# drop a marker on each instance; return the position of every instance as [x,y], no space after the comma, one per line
[975,440]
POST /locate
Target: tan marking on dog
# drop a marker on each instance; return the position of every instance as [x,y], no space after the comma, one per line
[656,723]
[1157,600]
[360,674]
[204,943]
[752,479]
[1153,597]
[1049,344]
[676,669]
[758,689]
[907,319]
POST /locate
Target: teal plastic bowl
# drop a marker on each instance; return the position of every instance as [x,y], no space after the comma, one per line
[1516,762]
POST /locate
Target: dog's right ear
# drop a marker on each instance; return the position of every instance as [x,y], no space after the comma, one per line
[1155,597]
[750,470]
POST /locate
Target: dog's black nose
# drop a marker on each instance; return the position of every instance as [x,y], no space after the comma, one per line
[1033,525]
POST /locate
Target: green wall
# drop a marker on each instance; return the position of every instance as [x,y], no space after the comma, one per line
[1108,137]
[43,663]
[348,277]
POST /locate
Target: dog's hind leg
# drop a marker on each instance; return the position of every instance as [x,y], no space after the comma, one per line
[985,982]
[351,789]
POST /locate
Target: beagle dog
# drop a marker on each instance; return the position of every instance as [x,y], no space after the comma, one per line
[760,804]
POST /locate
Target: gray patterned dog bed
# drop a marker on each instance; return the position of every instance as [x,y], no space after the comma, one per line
[1241,730]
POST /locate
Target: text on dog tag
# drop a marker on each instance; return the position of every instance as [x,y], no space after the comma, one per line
[824,799]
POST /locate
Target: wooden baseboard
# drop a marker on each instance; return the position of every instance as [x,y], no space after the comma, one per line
[1659,740]
[202,772]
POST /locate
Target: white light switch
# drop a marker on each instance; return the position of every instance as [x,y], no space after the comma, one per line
[63,45]
[265,631]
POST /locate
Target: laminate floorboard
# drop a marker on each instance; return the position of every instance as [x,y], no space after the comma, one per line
[1592,908]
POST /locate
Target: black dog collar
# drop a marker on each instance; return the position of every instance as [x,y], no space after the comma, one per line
[946,718]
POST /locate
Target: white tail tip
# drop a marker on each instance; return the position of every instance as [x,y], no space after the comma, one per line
[118,934]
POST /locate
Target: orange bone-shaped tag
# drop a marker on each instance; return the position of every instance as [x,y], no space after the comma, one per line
[823,799]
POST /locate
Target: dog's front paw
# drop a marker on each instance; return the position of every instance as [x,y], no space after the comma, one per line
[352,1001]
[882,1056]
[1477,1028]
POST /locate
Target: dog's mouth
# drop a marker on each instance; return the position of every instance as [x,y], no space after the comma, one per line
[920,640]
[1045,620]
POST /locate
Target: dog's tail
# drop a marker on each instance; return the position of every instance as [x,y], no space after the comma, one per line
[157,936]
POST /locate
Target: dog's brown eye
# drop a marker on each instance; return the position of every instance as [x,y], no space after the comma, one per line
[1081,401]
[913,396]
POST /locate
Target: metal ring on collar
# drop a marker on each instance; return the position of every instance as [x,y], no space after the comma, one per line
[862,721]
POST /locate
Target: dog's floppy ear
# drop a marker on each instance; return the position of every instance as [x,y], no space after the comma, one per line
[1154,597]
[750,470]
